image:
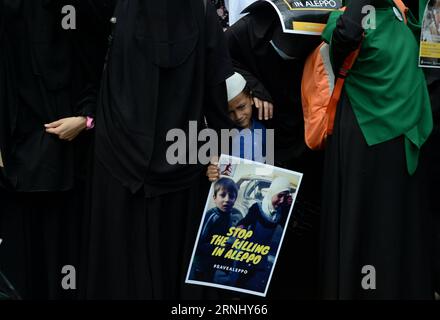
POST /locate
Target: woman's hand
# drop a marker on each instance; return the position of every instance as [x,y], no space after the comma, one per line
[264,108]
[67,128]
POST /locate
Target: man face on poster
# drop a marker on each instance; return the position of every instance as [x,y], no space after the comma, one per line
[281,199]
[277,200]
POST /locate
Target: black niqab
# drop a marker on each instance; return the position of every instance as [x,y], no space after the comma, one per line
[166,67]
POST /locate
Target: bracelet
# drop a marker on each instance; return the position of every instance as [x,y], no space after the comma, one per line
[90,123]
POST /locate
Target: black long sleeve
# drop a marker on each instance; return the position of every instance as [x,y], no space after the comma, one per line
[348,33]
[218,69]
[90,45]
[238,31]
[216,102]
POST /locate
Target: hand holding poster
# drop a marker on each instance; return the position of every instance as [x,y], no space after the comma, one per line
[243,226]
[430,36]
[302,17]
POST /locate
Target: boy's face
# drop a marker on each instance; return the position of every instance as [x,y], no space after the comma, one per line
[240,110]
[224,200]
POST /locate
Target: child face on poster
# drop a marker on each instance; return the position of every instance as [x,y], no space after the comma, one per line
[225,194]
[225,200]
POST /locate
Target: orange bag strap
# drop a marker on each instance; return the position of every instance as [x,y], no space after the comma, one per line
[403,9]
[336,94]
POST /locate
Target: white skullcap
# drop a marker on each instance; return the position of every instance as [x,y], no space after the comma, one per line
[235,84]
[279,184]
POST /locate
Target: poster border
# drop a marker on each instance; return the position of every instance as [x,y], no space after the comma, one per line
[311,33]
[420,42]
[211,190]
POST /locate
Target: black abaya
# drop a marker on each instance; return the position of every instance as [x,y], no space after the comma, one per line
[374,214]
[431,154]
[51,75]
[139,247]
[40,233]
[167,66]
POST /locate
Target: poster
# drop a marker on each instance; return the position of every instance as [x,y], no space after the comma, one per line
[243,226]
[430,36]
[302,17]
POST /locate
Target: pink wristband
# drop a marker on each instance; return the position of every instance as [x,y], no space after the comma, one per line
[90,124]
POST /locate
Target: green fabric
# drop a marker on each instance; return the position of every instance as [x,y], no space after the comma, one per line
[386,88]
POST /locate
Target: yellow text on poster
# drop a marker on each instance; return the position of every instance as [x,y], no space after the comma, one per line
[308,26]
[430,50]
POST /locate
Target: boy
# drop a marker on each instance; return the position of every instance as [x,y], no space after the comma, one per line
[240,105]
[218,220]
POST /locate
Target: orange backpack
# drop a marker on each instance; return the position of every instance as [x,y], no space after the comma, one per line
[320,93]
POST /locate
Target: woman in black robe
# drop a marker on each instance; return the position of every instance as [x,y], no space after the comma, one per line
[432,154]
[376,234]
[167,66]
[52,76]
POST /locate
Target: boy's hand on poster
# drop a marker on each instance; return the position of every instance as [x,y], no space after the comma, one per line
[265,108]
[67,128]
[213,172]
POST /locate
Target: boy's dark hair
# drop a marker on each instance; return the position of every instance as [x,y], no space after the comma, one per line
[247,91]
[226,184]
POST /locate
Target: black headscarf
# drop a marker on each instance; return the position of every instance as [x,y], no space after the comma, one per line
[167,59]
